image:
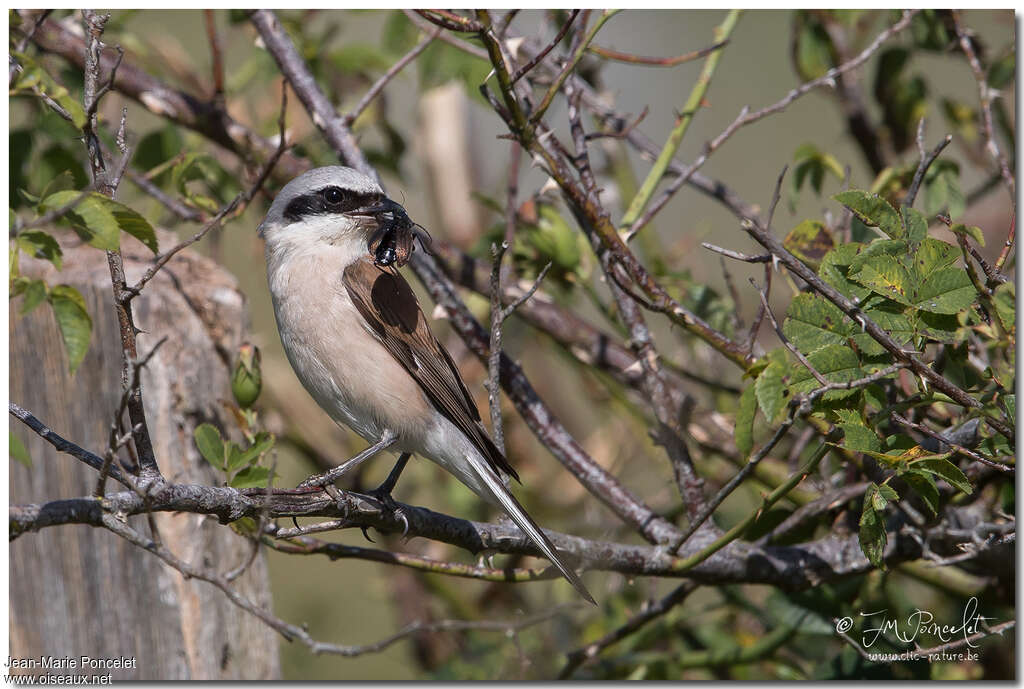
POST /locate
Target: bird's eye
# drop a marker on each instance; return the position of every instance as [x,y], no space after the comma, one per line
[333,195]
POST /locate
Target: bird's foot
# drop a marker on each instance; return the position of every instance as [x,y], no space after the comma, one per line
[338,500]
[383,495]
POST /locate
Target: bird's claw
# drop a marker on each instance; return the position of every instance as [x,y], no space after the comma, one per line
[384,497]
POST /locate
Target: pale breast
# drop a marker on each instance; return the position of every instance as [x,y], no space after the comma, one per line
[346,370]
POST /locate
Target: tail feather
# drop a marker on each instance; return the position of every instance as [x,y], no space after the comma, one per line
[524,522]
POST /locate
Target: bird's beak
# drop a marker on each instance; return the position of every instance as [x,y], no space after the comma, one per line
[383,206]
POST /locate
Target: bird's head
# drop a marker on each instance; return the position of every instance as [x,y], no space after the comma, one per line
[331,205]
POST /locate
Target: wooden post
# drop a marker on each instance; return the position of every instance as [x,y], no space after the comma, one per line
[80,591]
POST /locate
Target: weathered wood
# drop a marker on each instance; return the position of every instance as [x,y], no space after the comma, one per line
[80,591]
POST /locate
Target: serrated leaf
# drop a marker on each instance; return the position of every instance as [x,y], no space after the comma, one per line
[923,484]
[772,391]
[251,477]
[18,451]
[872,210]
[73,321]
[947,470]
[39,244]
[744,428]
[872,534]
[859,438]
[210,445]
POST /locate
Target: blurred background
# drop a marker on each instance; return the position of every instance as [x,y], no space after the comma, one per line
[438,147]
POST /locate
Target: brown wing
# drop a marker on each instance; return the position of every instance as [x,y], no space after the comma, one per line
[389,307]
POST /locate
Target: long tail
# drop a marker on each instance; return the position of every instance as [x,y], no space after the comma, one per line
[524,522]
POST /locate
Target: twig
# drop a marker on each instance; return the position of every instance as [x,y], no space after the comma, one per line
[991,631]
[650,612]
[305,545]
[985,97]
[107,185]
[216,57]
[736,480]
[62,445]
[379,85]
[785,340]
[746,258]
[450,20]
[320,109]
[618,56]
[115,442]
[683,120]
[499,314]
[569,66]
[13,66]
[956,448]
[1007,245]
[236,204]
[521,72]
[926,161]
[293,632]
[423,25]
[746,117]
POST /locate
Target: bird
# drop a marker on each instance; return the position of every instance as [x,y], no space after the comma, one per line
[358,341]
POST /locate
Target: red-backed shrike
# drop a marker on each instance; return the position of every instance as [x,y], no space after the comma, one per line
[359,342]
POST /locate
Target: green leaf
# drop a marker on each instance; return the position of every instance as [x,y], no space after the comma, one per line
[942,189]
[946,470]
[872,531]
[971,231]
[1005,300]
[922,483]
[859,438]
[41,245]
[73,321]
[872,210]
[812,50]
[744,428]
[34,79]
[18,451]
[101,220]
[262,443]
[887,492]
[916,224]
[251,477]
[836,266]
[809,241]
[35,294]
[924,277]
[210,445]
[134,224]
[90,216]
[772,391]
[837,363]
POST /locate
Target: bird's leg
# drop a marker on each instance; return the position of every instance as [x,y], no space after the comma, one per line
[383,491]
[387,439]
